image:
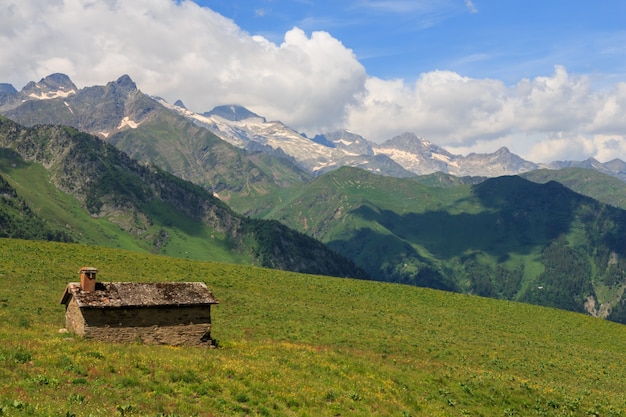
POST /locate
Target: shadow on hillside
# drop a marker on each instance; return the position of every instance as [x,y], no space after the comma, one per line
[386,257]
[518,216]
[10,160]
[446,235]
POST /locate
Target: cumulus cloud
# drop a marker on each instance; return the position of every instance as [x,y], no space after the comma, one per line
[546,118]
[180,50]
[312,82]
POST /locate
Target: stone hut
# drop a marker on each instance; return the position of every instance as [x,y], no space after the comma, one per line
[171,313]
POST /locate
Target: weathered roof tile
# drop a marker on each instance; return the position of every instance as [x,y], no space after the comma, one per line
[133,294]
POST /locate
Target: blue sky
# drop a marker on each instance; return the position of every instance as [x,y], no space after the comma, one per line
[547,79]
[503,39]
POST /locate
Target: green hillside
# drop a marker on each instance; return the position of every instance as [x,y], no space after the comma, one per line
[504,237]
[174,144]
[17,220]
[299,345]
[589,182]
[93,193]
[130,231]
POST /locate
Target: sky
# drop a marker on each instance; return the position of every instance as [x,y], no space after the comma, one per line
[547,79]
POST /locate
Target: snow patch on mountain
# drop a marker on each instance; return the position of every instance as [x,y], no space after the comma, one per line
[51,87]
[245,129]
[126,121]
[402,156]
[446,159]
[68,107]
[48,95]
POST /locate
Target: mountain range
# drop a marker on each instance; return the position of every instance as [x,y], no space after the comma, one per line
[115,110]
[140,126]
[403,211]
[405,155]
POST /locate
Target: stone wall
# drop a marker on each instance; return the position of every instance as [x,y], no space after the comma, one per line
[184,325]
[180,335]
[74,320]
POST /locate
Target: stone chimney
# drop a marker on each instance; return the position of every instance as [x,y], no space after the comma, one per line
[88,278]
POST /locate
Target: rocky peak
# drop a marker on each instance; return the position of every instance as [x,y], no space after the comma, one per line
[6,88]
[179,103]
[58,81]
[232,112]
[349,141]
[343,135]
[53,86]
[124,83]
[592,163]
[323,140]
[412,143]
[616,165]
[500,162]
[503,151]
[503,154]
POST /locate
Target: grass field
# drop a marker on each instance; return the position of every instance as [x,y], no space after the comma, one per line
[299,345]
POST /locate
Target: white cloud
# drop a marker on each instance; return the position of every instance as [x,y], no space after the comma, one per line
[312,82]
[610,116]
[609,147]
[563,147]
[180,50]
[545,118]
[579,147]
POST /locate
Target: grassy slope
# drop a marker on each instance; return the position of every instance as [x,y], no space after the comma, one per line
[187,239]
[32,183]
[158,211]
[300,345]
[602,187]
[486,239]
[193,153]
[361,214]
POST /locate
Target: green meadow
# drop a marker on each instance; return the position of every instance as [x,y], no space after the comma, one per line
[299,345]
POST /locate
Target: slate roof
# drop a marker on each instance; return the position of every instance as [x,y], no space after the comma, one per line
[134,294]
